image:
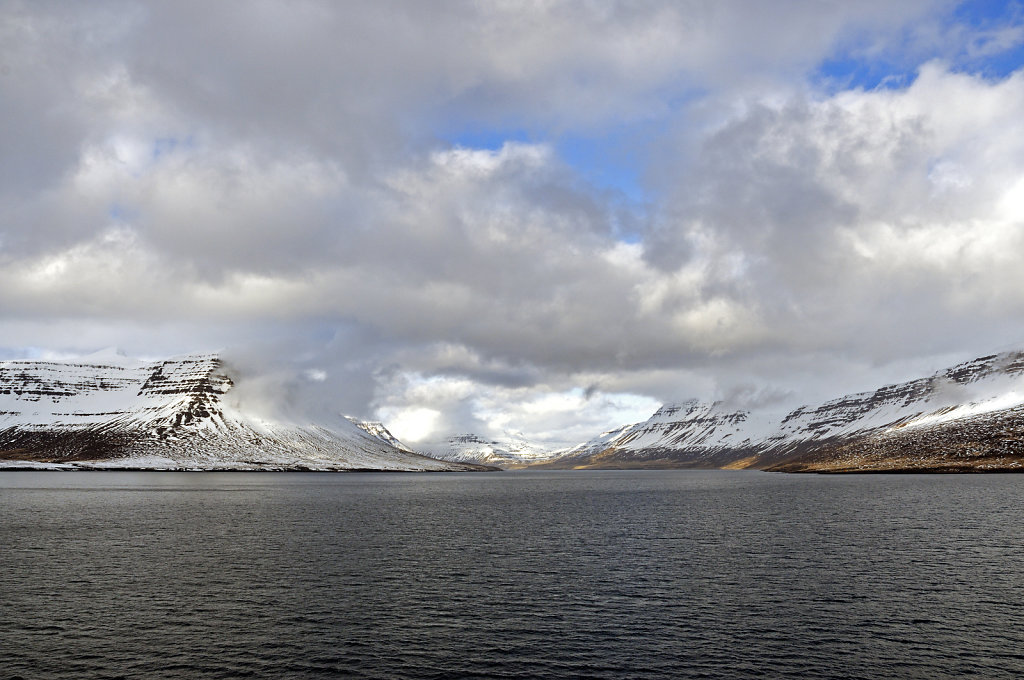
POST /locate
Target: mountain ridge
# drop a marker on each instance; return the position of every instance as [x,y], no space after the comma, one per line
[511,451]
[171,414]
[967,417]
[180,413]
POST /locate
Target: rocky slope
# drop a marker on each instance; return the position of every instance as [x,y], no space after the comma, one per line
[969,417]
[174,414]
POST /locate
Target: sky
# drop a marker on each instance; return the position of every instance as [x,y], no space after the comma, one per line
[537,218]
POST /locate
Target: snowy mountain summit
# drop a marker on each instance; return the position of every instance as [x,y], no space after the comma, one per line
[968,417]
[112,412]
[512,450]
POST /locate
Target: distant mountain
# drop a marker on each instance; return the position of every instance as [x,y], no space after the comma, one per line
[969,417]
[510,451]
[593,446]
[377,429]
[109,412]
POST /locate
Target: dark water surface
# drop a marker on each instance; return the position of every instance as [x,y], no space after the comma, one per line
[527,575]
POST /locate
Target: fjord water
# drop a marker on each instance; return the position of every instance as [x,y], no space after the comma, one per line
[530,575]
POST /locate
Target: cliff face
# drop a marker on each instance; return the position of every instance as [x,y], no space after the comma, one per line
[169,414]
[966,417]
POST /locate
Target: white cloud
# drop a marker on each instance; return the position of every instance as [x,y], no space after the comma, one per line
[281,189]
[553,412]
[413,424]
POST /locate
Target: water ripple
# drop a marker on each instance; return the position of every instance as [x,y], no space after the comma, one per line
[512,575]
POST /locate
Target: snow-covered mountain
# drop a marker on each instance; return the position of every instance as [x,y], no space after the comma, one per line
[970,416]
[514,450]
[110,412]
[594,446]
[181,413]
[376,429]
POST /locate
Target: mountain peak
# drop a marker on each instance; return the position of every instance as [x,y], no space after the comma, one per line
[929,422]
[169,414]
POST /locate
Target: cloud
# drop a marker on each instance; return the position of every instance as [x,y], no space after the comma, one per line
[180,176]
[894,211]
[552,412]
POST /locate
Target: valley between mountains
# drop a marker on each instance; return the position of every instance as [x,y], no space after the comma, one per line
[179,414]
[967,418]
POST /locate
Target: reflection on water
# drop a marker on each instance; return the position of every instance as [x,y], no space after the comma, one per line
[552,574]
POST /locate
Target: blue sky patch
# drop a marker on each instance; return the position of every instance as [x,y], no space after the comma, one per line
[491,139]
[996,45]
[610,161]
[851,73]
[165,146]
[981,37]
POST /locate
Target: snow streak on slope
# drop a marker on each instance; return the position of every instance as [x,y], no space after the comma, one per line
[169,414]
[989,389]
[377,429]
[597,444]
